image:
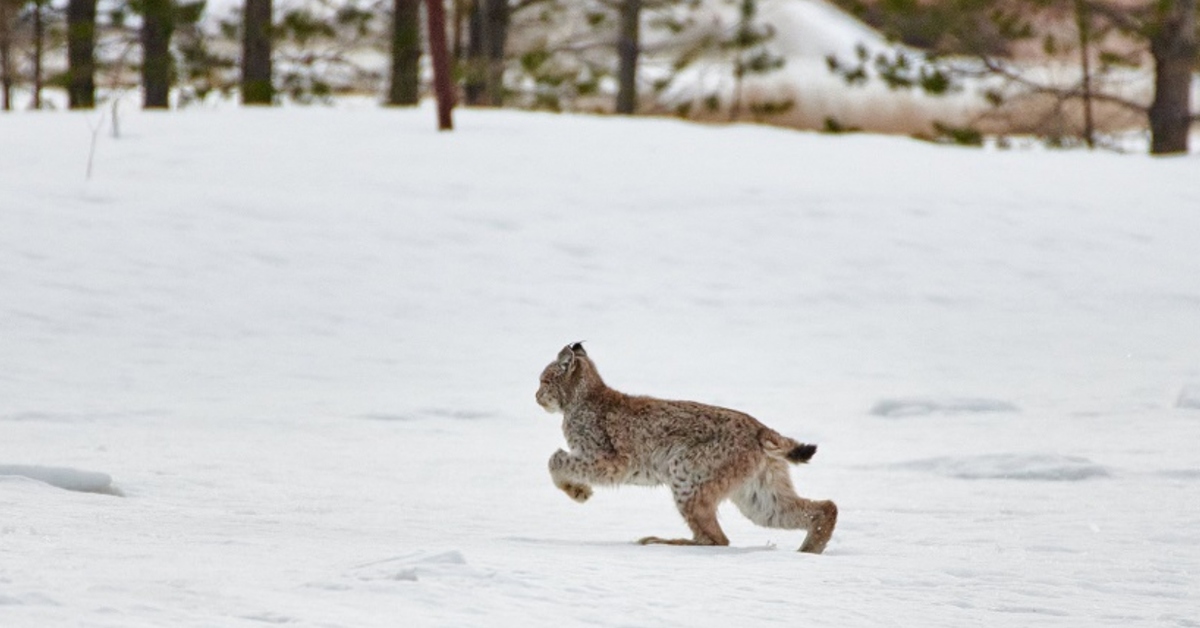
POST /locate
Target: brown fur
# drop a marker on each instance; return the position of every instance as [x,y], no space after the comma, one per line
[705,454]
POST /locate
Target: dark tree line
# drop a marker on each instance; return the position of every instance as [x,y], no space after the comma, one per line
[305,52]
[588,54]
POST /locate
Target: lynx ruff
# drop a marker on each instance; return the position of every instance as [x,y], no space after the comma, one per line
[704,453]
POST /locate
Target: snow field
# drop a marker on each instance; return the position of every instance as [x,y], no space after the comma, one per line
[303,344]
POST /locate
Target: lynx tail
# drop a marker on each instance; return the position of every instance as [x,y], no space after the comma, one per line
[801,453]
[780,446]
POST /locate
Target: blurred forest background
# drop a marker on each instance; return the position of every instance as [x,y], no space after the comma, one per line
[1069,72]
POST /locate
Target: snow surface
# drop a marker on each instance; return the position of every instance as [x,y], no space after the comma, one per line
[304,343]
[919,406]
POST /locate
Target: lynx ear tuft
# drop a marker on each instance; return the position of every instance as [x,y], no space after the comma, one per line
[577,348]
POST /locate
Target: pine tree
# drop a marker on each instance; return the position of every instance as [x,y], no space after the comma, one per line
[257,85]
[628,51]
[81,59]
[158,24]
[487,43]
[406,52]
[8,10]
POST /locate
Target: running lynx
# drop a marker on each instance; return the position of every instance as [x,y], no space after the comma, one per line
[704,453]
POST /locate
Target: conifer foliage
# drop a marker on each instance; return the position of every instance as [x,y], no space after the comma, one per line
[1004,47]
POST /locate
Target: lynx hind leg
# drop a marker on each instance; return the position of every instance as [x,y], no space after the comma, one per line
[698,499]
[768,499]
[699,510]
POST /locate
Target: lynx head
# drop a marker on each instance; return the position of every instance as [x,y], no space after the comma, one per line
[567,378]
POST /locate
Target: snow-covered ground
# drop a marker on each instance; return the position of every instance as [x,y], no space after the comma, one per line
[277,367]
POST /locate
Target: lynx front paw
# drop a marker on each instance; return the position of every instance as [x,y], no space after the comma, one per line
[577,492]
[559,460]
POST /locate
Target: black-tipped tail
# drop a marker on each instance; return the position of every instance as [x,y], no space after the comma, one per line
[801,453]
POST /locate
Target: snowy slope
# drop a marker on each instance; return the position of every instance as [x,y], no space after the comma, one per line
[278,367]
[804,33]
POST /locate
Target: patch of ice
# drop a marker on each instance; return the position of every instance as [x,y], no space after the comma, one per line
[917,406]
[1042,467]
[64,478]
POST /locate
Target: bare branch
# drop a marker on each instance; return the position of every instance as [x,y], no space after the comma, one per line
[1062,93]
[1127,19]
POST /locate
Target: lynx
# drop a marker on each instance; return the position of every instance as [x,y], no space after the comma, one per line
[705,454]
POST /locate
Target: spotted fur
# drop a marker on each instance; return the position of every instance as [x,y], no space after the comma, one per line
[705,454]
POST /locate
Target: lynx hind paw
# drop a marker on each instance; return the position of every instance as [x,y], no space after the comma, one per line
[654,540]
[578,492]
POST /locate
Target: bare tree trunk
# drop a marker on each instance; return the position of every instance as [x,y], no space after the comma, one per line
[158,22]
[495,38]
[81,60]
[456,43]
[1083,21]
[406,53]
[257,88]
[1173,46]
[39,44]
[474,71]
[435,15]
[628,48]
[6,78]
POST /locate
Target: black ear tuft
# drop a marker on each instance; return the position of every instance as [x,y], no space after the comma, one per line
[577,348]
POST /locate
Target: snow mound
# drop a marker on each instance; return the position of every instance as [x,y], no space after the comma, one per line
[1189,397]
[64,478]
[906,407]
[1044,467]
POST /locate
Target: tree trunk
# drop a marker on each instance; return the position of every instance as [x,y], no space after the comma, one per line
[474,72]
[1173,46]
[496,38]
[158,22]
[406,52]
[6,78]
[456,43]
[257,88]
[1084,25]
[39,44]
[435,14]
[628,48]
[81,60]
